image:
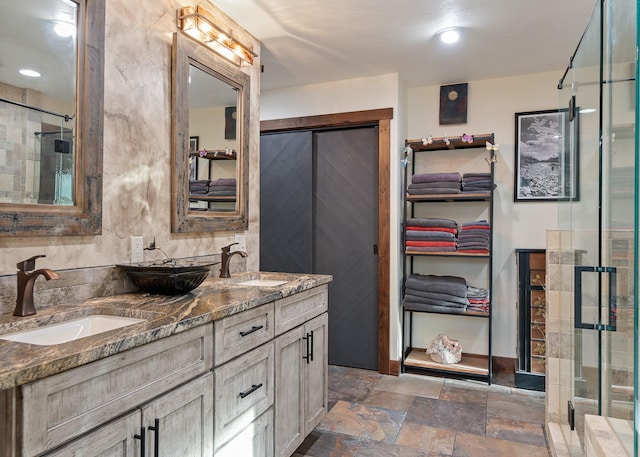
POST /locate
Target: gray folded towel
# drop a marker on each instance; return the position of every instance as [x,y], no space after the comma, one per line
[432,185]
[412,306]
[435,191]
[436,296]
[451,285]
[432,222]
[436,177]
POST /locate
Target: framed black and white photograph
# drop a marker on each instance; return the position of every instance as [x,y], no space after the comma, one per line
[545,168]
[193,159]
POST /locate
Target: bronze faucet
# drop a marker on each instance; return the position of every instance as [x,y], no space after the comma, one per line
[26,280]
[226,257]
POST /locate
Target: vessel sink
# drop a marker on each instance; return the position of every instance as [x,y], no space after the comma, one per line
[70,330]
[263,282]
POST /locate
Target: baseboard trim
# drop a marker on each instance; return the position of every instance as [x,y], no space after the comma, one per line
[394,368]
[504,364]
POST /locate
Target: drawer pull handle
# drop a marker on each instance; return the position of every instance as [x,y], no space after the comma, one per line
[156,437]
[251,390]
[143,439]
[255,328]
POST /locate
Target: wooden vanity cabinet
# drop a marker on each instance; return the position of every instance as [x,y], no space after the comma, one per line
[161,380]
[178,423]
[253,383]
[301,368]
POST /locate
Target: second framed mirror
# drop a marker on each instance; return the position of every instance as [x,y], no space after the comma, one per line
[210,134]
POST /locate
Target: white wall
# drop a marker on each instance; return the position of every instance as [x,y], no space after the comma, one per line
[491,108]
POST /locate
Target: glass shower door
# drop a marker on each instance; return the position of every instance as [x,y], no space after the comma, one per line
[601,221]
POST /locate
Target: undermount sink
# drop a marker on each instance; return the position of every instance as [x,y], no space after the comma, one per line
[262,282]
[70,330]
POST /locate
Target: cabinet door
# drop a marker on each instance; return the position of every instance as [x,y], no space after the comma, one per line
[256,440]
[316,373]
[289,427]
[114,439]
[180,423]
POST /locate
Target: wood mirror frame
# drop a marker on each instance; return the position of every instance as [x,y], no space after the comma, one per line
[186,52]
[85,216]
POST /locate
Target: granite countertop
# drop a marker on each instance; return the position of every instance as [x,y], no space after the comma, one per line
[214,299]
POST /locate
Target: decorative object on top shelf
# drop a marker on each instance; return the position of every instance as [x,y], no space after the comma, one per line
[545,167]
[445,350]
[431,143]
[453,104]
[215,154]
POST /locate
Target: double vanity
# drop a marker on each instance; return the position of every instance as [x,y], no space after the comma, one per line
[236,368]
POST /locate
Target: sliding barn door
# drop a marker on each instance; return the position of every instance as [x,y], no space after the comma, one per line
[346,238]
[319,214]
[286,202]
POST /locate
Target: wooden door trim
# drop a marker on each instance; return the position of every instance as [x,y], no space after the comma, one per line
[381,118]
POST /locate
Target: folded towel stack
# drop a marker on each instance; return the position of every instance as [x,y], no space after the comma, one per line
[222,187]
[435,183]
[476,182]
[200,187]
[431,235]
[445,294]
[474,237]
[478,299]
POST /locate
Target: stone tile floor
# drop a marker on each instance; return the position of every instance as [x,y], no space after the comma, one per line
[422,416]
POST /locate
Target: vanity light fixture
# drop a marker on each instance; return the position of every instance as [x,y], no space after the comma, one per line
[201,25]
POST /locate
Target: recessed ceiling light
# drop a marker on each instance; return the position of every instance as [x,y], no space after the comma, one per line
[449,36]
[30,73]
[65,29]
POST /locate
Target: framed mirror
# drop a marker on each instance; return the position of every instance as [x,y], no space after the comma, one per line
[211,140]
[51,110]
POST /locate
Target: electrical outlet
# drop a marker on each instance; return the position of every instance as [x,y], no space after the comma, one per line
[136,249]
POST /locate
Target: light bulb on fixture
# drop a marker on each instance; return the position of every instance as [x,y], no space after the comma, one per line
[449,36]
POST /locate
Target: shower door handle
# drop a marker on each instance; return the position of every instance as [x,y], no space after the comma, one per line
[612,306]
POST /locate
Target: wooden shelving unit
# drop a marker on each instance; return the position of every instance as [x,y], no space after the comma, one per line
[415,358]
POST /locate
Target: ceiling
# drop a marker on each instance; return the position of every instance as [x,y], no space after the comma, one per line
[28,40]
[314,41]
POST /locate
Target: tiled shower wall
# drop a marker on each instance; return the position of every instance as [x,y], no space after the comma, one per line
[19,156]
[562,256]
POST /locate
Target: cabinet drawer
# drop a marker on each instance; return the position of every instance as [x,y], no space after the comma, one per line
[299,308]
[254,440]
[243,391]
[60,407]
[237,334]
